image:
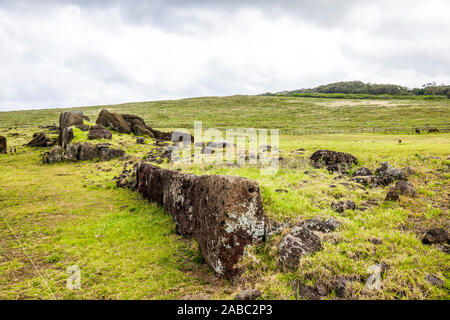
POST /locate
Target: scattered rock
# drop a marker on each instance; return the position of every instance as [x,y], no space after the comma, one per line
[375,241]
[295,244]
[39,140]
[371,181]
[3,145]
[327,225]
[281,190]
[113,120]
[402,187]
[224,214]
[303,291]
[140,140]
[341,206]
[340,287]
[250,294]
[409,171]
[388,174]
[392,195]
[435,281]
[436,235]
[333,160]
[363,171]
[98,132]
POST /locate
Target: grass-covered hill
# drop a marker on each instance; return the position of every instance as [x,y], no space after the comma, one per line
[54,216]
[289,114]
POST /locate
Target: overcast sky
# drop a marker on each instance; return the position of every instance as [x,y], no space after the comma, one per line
[76,53]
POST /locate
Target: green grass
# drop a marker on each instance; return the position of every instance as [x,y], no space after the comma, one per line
[126,248]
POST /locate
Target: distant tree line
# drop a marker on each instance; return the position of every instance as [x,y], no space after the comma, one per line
[359,87]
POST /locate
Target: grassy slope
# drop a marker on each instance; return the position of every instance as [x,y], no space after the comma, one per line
[289,114]
[72,214]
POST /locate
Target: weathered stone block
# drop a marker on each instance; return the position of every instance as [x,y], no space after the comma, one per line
[224,214]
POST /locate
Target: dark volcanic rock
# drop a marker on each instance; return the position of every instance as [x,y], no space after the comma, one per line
[98,132]
[436,235]
[333,160]
[70,118]
[72,152]
[65,137]
[303,291]
[223,214]
[250,294]
[140,129]
[363,171]
[2,144]
[130,117]
[392,195]
[54,155]
[39,140]
[435,281]
[113,121]
[341,206]
[140,140]
[388,174]
[82,151]
[295,244]
[341,287]
[327,225]
[402,187]
[66,120]
[83,127]
[371,181]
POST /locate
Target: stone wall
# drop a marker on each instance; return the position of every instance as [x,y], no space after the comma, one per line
[223,214]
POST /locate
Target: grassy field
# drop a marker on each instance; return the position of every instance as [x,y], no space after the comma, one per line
[61,215]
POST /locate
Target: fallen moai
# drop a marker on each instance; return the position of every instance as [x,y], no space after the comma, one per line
[40,140]
[224,214]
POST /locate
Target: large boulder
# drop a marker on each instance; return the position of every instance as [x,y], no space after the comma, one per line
[2,144]
[223,214]
[68,119]
[113,121]
[40,140]
[333,160]
[98,132]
